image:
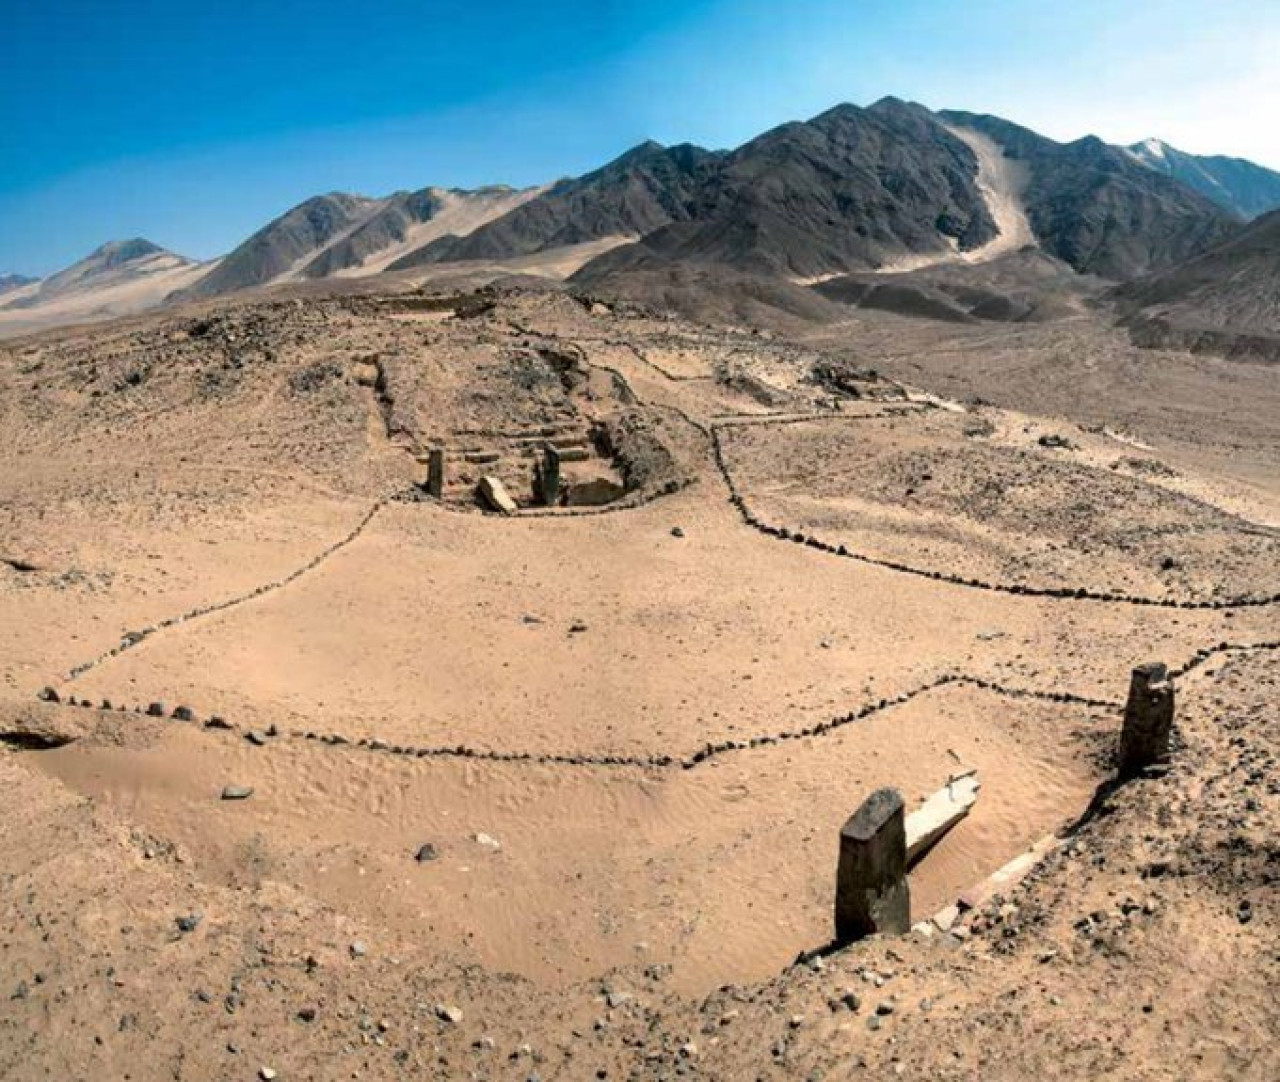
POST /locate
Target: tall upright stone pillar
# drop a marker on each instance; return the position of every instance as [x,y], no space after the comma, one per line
[871,880]
[1148,719]
[435,472]
[549,476]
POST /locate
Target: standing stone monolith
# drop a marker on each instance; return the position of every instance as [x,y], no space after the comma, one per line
[435,472]
[871,880]
[1148,719]
[549,476]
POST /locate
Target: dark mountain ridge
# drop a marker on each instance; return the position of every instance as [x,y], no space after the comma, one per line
[1239,186]
[386,226]
[281,243]
[1225,300]
[647,187]
[850,188]
[1100,211]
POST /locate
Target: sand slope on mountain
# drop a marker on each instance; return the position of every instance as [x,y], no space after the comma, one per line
[852,188]
[10,282]
[119,278]
[1098,209]
[278,247]
[409,220]
[645,188]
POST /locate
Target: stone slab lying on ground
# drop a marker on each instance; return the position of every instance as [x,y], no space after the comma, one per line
[1010,875]
[495,495]
[937,815]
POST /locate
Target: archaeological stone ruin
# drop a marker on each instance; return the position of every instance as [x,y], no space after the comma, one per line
[871,880]
[1148,719]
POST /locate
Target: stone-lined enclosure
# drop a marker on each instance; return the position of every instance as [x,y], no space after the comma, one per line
[741,663]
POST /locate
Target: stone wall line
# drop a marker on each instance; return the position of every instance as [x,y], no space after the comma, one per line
[135,638]
[706,753]
[1206,654]
[664,372]
[782,533]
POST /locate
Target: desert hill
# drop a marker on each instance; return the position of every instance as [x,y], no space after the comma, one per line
[644,189]
[284,243]
[1225,300]
[348,235]
[14,281]
[118,278]
[886,187]
[852,188]
[408,220]
[1235,184]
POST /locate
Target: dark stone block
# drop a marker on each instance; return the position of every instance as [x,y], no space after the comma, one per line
[871,885]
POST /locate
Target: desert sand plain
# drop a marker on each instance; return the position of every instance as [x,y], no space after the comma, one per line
[872,553]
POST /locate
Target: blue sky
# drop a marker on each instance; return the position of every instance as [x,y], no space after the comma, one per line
[193,123]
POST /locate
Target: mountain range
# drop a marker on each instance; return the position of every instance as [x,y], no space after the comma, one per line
[1233,183]
[10,282]
[891,187]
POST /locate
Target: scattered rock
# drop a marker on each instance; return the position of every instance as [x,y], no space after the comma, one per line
[256,737]
[156,710]
[1056,441]
[237,792]
[676,531]
[49,695]
[447,1012]
[426,852]
[183,713]
[848,1001]
[358,949]
[488,841]
[190,922]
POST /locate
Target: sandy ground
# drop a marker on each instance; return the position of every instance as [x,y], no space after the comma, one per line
[630,737]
